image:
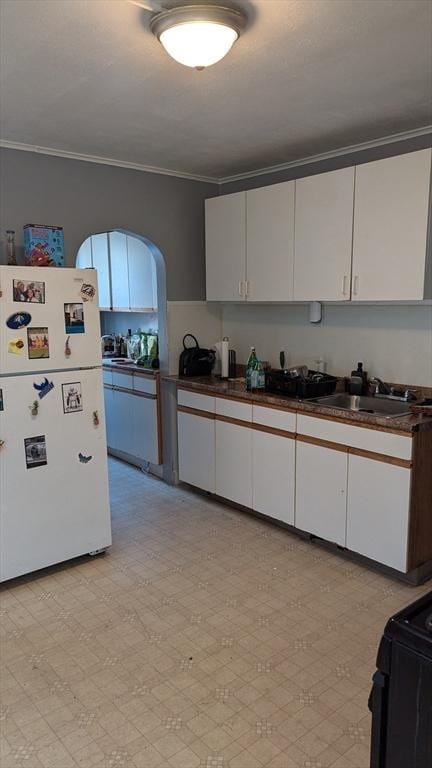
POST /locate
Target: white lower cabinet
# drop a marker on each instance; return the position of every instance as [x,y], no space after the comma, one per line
[273,475]
[145,428]
[321,498]
[234,462]
[131,423]
[378,511]
[196,450]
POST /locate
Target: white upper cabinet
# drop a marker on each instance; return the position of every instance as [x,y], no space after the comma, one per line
[226,247]
[84,255]
[270,242]
[323,236]
[390,228]
[119,270]
[100,259]
[141,276]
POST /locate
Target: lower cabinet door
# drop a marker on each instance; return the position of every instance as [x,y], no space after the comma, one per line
[196,450]
[144,438]
[378,509]
[122,421]
[234,462]
[321,482]
[273,475]
[109,416]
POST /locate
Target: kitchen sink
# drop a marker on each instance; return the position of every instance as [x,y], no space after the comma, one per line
[363,404]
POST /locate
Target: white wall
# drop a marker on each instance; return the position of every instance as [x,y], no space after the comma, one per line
[394,342]
[197,317]
[120,322]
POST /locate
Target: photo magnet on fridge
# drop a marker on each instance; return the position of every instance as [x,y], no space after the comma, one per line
[35,451]
[72,397]
[33,293]
[38,343]
[18,320]
[16,346]
[74,318]
[43,388]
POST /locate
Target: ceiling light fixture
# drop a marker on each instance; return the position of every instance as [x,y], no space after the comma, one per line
[198,35]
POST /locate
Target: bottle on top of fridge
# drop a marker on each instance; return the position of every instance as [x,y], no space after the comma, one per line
[250,368]
[10,248]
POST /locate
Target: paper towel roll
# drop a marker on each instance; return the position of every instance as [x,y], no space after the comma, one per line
[225,357]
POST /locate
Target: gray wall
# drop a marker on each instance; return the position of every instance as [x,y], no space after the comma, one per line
[331,164]
[86,198]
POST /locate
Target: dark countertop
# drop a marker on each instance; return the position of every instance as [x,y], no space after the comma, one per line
[129,367]
[236,388]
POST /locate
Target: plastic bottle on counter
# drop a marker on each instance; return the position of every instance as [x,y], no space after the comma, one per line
[250,368]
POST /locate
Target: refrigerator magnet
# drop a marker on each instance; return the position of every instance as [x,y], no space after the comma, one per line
[38,343]
[43,388]
[67,350]
[87,292]
[74,318]
[95,418]
[16,346]
[34,408]
[31,293]
[35,451]
[72,397]
[1,400]
[84,459]
[18,320]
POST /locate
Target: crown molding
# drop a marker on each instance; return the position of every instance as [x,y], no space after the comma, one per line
[351,149]
[104,161]
[393,138]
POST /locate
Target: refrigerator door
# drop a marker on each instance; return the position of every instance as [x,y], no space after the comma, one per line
[40,309]
[54,502]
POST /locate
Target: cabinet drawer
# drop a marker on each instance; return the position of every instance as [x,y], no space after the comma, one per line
[196,400]
[144,384]
[124,380]
[356,437]
[107,377]
[273,417]
[234,409]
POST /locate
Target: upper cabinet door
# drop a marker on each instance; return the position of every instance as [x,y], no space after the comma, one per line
[323,236]
[226,247]
[119,270]
[100,260]
[142,276]
[84,255]
[390,228]
[270,242]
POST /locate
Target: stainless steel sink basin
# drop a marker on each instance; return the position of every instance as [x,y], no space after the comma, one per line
[363,404]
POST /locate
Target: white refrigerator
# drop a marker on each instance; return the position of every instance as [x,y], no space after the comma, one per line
[54,502]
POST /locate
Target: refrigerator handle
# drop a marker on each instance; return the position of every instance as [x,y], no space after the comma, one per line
[377,704]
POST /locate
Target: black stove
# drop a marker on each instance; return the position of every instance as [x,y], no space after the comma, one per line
[401,696]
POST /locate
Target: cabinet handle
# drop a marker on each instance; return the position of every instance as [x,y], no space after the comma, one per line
[356,283]
[240,287]
[247,284]
[344,285]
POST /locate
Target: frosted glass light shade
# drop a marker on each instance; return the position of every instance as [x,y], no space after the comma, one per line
[198,35]
[198,43]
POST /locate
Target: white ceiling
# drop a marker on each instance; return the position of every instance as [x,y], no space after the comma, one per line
[307,77]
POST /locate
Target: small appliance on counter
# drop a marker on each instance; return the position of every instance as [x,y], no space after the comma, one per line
[400,700]
[196,360]
[108,346]
[300,382]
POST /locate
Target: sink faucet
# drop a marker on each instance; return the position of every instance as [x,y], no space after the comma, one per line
[380,387]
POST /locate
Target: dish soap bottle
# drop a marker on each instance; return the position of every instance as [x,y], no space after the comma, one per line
[250,368]
[358,381]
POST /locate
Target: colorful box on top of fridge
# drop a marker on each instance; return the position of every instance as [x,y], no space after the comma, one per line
[43,245]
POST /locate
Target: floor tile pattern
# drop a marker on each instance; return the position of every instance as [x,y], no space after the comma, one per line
[206,638]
